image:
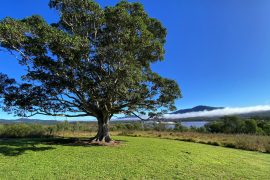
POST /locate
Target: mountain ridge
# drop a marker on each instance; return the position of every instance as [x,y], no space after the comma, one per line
[196,109]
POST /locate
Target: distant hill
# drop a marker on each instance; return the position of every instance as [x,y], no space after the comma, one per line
[30,121]
[197,109]
[127,117]
[38,121]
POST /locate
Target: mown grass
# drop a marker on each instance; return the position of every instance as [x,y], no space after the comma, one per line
[239,141]
[135,158]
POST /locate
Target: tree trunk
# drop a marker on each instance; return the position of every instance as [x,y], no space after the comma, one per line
[103,134]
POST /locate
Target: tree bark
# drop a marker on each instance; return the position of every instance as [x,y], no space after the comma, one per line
[103,134]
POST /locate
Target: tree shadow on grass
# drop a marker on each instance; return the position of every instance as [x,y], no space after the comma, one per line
[85,142]
[9,151]
[16,147]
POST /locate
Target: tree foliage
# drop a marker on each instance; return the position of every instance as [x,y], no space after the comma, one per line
[93,62]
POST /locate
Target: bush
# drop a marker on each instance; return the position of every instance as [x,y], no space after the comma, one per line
[260,131]
[201,129]
[267,147]
[159,127]
[1,129]
[266,129]
[22,130]
[126,133]
[179,127]
[214,127]
[51,130]
[137,126]
[232,124]
[250,126]
[248,143]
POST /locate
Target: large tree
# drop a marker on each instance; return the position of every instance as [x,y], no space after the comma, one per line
[93,62]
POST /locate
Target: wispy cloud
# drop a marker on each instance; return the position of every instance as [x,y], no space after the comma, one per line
[216,113]
[221,112]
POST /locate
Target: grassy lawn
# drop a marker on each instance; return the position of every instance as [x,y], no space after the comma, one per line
[135,158]
[239,141]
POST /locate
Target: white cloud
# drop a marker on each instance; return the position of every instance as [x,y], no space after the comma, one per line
[221,112]
[216,113]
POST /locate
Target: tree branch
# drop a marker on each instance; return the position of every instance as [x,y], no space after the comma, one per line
[139,116]
[59,115]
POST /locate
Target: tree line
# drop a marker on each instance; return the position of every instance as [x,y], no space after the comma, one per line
[236,125]
[227,125]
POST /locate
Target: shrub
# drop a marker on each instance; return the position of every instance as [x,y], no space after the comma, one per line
[126,133]
[201,129]
[179,127]
[267,147]
[214,127]
[232,124]
[250,126]
[260,131]
[266,128]
[23,130]
[159,127]
[248,143]
[37,130]
[51,130]
[1,129]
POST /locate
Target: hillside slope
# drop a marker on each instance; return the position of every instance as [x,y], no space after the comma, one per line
[196,109]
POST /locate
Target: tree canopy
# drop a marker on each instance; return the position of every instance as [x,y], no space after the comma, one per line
[93,62]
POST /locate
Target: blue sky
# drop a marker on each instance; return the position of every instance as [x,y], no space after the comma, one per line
[218,51]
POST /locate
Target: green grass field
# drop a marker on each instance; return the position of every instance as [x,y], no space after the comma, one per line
[135,158]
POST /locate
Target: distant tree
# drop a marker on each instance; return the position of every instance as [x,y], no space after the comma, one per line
[214,127]
[94,62]
[250,126]
[264,126]
[232,124]
[159,126]
[76,126]
[177,126]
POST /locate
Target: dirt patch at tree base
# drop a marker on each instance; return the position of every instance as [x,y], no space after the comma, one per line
[81,142]
[102,143]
